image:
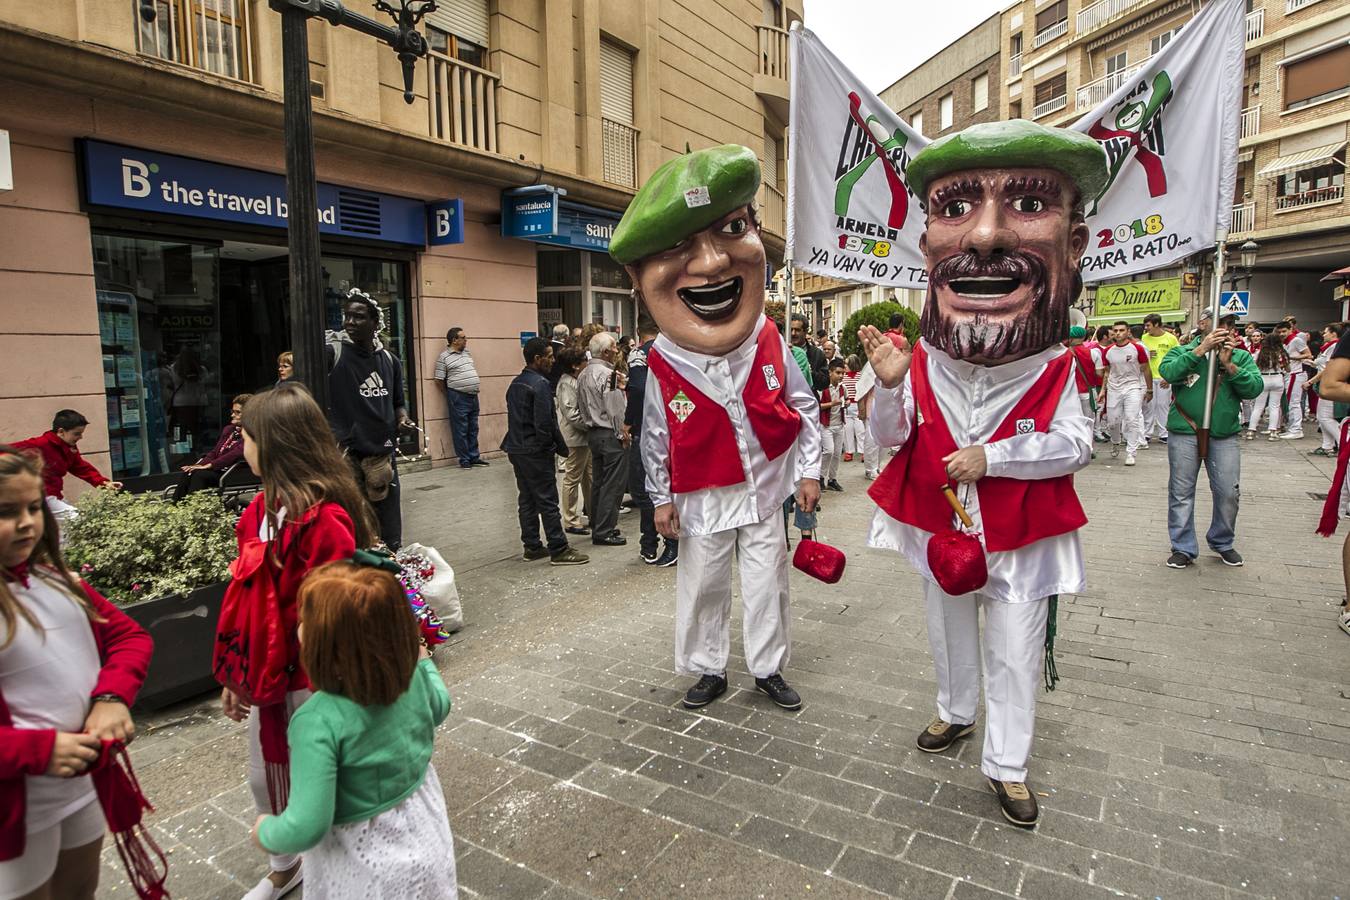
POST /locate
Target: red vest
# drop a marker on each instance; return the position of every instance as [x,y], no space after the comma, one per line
[703,452]
[1015,511]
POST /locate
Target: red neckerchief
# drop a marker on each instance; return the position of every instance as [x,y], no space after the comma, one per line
[18,573]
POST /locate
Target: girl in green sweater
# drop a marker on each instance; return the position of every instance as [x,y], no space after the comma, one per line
[365,809]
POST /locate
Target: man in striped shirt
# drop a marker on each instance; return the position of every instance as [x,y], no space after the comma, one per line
[454,369]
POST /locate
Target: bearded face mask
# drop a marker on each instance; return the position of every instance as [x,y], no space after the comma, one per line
[1002,248]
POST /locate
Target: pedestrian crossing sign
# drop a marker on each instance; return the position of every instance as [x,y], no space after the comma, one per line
[1234,303]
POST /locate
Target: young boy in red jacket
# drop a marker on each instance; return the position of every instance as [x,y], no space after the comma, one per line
[59,449]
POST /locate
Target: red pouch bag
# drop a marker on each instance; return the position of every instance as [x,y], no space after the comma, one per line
[819,560]
[957,562]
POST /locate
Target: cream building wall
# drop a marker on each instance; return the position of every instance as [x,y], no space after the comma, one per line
[705,72]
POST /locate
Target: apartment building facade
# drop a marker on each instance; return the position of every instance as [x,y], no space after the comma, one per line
[1061,59]
[956,88]
[144,261]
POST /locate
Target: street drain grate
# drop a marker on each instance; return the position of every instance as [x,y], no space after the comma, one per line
[430,487]
[1313,494]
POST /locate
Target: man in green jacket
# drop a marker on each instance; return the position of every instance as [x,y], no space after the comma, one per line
[1239,379]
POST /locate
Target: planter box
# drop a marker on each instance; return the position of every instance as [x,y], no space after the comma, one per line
[184,631]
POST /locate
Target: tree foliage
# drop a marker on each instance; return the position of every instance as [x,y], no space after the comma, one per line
[878,314]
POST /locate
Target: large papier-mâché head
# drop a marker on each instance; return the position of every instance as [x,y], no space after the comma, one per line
[1005,235]
[691,244]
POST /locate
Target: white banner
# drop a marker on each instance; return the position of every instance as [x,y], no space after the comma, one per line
[850,213]
[1170,132]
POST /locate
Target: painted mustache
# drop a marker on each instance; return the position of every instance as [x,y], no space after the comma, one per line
[970,274]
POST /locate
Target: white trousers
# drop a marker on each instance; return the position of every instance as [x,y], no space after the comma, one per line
[1326,421]
[703,598]
[1013,650]
[1155,414]
[1298,402]
[855,430]
[1268,401]
[257,774]
[1124,412]
[831,448]
[871,453]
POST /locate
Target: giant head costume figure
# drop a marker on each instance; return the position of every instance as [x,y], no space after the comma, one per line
[690,242]
[1005,235]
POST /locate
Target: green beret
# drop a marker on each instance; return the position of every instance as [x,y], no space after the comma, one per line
[1078,331]
[1013,144]
[684,196]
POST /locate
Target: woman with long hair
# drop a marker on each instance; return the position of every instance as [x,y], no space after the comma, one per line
[310,512]
[1274,366]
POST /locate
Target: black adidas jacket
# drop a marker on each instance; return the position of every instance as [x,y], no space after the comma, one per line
[365,392]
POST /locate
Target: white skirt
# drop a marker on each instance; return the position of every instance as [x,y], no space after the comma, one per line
[404,853]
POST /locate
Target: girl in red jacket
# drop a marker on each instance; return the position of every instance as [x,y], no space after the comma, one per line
[310,512]
[71,664]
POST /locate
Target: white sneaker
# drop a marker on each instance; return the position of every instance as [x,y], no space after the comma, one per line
[266,890]
[1292,436]
[1129,459]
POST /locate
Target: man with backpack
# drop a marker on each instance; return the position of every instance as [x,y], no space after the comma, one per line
[366,408]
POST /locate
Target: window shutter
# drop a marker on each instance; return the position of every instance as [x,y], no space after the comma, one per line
[980,92]
[1052,15]
[1317,75]
[467,19]
[616,83]
[770,172]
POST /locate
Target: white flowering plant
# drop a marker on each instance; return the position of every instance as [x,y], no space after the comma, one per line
[135,547]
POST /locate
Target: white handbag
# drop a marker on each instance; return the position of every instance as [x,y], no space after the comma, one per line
[439,591]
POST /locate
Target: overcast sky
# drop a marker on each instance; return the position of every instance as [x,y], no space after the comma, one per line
[881,40]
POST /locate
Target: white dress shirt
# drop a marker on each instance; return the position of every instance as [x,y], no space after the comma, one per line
[975,400]
[767,482]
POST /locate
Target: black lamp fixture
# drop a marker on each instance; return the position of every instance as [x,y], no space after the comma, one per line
[1246,266]
[148,11]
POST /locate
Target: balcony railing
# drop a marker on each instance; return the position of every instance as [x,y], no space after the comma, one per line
[1256,23]
[1331,194]
[1243,218]
[1054,104]
[773,51]
[463,102]
[1094,92]
[619,152]
[1251,121]
[772,208]
[1044,37]
[211,35]
[1098,14]
[1296,5]
[1014,66]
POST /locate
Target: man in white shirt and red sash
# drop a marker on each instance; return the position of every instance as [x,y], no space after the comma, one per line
[987,404]
[730,426]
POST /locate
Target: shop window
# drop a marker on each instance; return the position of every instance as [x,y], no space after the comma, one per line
[159,325]
[1318,77]
[185,326]
[606,273]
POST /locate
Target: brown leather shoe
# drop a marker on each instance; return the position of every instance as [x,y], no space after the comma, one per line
[1017,801]
[940,735]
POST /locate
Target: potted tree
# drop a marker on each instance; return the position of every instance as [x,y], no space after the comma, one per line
[166,564]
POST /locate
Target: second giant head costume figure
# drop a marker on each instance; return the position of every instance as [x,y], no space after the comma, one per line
[1005,235]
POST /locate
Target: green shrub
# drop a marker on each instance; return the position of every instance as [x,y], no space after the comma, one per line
[878,314]
[135,547]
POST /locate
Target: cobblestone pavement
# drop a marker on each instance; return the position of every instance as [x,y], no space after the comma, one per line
[1196,748]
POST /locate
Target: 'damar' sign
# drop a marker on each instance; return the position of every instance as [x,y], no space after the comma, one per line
[1138,297]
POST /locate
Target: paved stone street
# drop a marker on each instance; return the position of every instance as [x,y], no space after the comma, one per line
[1198,746]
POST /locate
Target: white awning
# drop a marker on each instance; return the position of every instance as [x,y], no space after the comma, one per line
[1304,159]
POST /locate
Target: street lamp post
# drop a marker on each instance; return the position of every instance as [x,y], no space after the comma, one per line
[302,224]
